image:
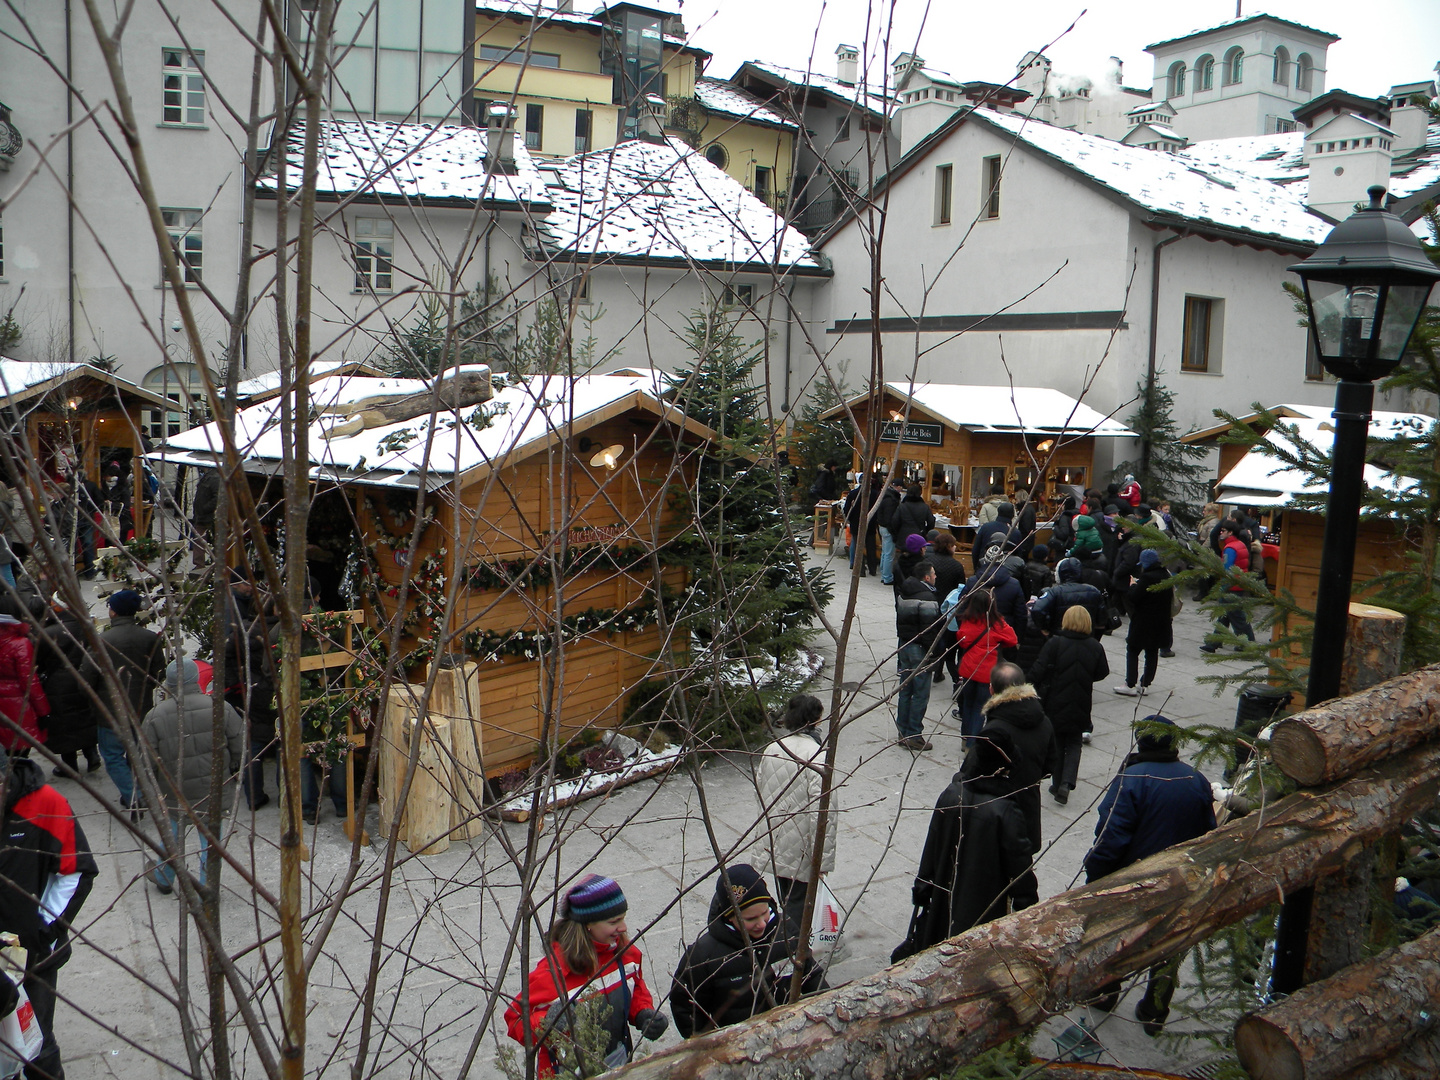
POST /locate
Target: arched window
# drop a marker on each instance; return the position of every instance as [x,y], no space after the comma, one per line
[1304,71]
[1281,74]
[177,382]
[717,155]
[1205,73]
[1234,66]
[1177,81]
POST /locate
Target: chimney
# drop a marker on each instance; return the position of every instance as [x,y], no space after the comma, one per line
[1346,155]
[1411,125]
[1033,74]
[500,138]
[1117,71]
[902,65]
[653,111]
[847,64]
[566,7]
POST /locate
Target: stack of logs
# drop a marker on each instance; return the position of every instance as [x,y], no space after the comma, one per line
[446,792]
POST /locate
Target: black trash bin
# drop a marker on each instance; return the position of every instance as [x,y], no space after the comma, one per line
[1259,704]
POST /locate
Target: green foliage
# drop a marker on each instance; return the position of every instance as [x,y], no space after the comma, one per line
[1008,1061]
[815,441]
[1167,468]
[576,1054]
[553,344]
[10,332]
[423,349]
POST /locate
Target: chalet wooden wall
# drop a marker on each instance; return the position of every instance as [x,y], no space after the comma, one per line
[1379,549]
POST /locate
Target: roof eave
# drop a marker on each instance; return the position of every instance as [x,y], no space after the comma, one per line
[597,259]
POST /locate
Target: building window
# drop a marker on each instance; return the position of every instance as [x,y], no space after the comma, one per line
[1176,81]
[740,296]
[184,229]
[944,193]
[717,155]
[1205,73]
[990,186]
[1234,66]
[1304,71]
[842,128]
[763,186]
[1200,347]
[1281,73]
[1314,370]
[584,118]
[374,254]
[577,290]
[491,54]
[183,83]
[177,382]
[534,126]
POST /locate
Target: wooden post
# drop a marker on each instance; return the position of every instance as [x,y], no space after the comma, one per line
[1365,1013]
[427,812]
[394,752]
[946,1004]
[1374,639]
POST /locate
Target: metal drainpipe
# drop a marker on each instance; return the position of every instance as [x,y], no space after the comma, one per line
[789,326]
[69,191]
[1154,330]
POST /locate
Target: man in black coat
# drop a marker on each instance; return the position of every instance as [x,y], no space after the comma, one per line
[884,517]
[995,539]
[1048,611]
[1149,622]
[976,864]
[913,517]
[740,967]
[138,656]
[247,680]
[864,532]
[918,623]
[1014,708]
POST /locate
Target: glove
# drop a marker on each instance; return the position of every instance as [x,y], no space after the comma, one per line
[652,1023]
[920,894]
[557,1017]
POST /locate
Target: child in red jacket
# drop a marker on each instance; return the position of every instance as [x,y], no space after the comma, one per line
[983,633]
[590,957]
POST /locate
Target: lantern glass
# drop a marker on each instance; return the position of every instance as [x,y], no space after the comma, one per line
[1366,321]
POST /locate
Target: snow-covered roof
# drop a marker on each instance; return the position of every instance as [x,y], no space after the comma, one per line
[1173,184]
[19,376]
[658,201]
[1162,131]
[269,383]
[549,14]
[1030,410]
[517,421]
[1260,480]
[412,161]
[1231,24]
[728,99]
[1150,106]
[871,97]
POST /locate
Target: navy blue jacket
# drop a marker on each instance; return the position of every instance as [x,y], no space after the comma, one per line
[1147,808]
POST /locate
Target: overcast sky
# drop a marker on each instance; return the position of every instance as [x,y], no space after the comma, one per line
[1382,42]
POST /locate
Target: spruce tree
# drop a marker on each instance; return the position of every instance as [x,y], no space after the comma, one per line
[1166,468]
[816,441]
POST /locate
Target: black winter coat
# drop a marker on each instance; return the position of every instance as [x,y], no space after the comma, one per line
[139,658]
[976,858]
[1009,596]
[889,503]
[1000,533]
[949,572]
[912,516]
[1064,673]
[1149,611]
[1018,712]
[1125,566]
[60,659]
[917,615]
[1049,610]
[1025,525]
[720,981]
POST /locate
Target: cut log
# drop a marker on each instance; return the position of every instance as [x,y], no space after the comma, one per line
[920,1017]
[1341,737]
[456,391]
[427,811]
[456,697]
[394,753]
[1365,1013]
[1339,930]
[1374,640]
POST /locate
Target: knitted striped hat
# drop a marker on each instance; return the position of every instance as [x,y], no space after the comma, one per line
[594,899]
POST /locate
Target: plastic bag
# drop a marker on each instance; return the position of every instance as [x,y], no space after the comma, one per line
[828,944]
[20,1035]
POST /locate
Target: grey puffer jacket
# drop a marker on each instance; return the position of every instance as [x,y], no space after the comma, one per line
[787,777]
[179,733]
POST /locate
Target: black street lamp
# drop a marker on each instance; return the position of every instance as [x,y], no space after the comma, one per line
[1365,289]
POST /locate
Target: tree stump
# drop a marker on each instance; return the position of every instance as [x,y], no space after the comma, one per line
[394,753]
[427,810]
[1366,1013]
[457,698]
[1374,639]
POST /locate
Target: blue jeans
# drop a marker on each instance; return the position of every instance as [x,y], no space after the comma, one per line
[7,572]
[914,696]
[112,752]
[887,556]
[973,696]
[165,872]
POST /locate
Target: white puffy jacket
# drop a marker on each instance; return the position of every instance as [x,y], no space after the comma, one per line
[788,780]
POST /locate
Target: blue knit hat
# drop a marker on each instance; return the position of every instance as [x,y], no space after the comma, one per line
[1149,557]
[125,602]
[594,899]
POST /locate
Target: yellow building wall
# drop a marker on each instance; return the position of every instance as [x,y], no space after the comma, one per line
[576,84]
[749,145]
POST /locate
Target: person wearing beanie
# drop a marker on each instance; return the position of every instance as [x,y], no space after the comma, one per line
[912,551]
[45,856]
[912,516]
[138,657]
[1147,600]
[1048,612]
[590,959]
[787,781]
[60,660]
[180,734]
[976,863]
[1156,801]
[740,966]
[1037,576]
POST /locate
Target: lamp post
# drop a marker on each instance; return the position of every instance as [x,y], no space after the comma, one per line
[1365,289]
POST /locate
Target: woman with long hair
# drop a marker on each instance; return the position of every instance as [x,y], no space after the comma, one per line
[589,981]
[983,633]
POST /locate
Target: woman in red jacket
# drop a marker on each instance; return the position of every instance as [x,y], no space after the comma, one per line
[590,961]
[983,633]
[22,699]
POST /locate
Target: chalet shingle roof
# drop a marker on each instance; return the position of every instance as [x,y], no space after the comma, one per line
[726,99]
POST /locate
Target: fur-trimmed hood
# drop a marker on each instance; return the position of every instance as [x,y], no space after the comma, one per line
[1011,693]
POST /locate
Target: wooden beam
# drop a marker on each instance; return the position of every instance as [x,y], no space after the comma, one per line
[1341,737]
[1368,1012]
[946,1004]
